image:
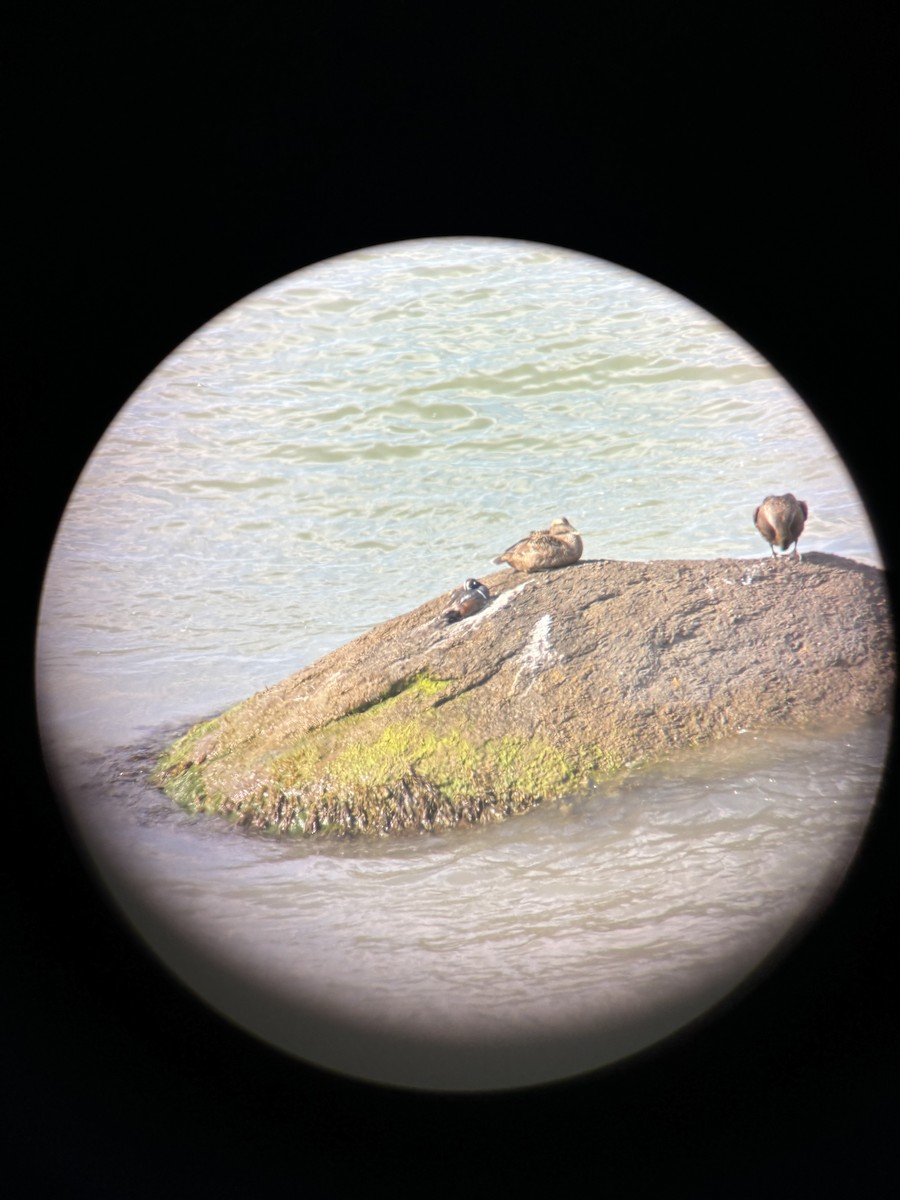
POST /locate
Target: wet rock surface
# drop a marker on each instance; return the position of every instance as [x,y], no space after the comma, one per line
[565,675]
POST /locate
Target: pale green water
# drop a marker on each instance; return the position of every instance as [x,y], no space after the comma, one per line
[349,443]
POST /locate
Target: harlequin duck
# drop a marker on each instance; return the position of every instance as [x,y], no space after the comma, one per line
[466,600]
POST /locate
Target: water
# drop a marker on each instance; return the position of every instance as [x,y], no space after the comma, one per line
[334,451]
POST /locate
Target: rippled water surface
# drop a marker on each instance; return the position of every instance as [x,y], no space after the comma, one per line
[334,451]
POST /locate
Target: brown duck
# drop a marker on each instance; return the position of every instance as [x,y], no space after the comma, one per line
[780,520]
[545,549]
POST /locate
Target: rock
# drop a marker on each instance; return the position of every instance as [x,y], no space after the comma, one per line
[564,676]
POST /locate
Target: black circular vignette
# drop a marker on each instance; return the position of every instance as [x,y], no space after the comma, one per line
[168,170]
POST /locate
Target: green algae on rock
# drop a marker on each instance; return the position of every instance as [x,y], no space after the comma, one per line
[563,677]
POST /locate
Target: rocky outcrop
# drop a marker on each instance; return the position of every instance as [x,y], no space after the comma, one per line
[564,676]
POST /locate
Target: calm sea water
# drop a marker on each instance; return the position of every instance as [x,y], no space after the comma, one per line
[335,450]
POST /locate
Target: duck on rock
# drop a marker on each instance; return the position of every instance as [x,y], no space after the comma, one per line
[466,600]
[781,520]
[545,549]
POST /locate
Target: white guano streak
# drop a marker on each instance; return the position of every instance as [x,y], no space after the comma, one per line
[538,652]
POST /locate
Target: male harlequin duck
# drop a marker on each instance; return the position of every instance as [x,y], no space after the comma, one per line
[780,520]
[545,549]
[469,599]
